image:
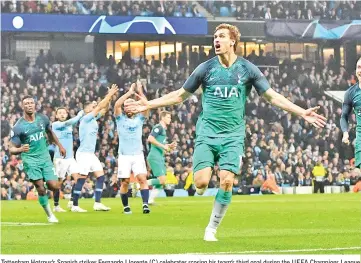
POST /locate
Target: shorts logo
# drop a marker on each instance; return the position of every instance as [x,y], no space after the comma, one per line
[156,130]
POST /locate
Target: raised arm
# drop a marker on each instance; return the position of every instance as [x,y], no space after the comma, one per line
[120,101]
[346,111]
[70,122]
[104,103]
[141,96]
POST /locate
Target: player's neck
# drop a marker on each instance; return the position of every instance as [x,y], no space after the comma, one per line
[163,124]
[29,117]
[227,59]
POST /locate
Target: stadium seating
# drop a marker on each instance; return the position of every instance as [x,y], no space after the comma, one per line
[124,8]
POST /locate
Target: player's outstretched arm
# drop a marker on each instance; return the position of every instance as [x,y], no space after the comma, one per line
[104,103]
[59,125]
[309,115]
[346,111]
[172,98]
[120,101]
[190,86]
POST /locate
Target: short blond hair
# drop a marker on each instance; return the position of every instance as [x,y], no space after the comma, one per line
[164,113]
[233,32]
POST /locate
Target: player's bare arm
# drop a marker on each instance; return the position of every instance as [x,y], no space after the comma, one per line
[153,140]
[104,104]
[16,149]
[346,111]
[54,139]
[140,94]
[309,115]
[122,99]
[172,98]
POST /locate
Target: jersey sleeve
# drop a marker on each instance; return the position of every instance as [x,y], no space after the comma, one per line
[57,125]
[257,78]
[157,130]
[141,118]
[346,110]
[88,117]
[98,116]
[119,117]
[15,136]
[195,79]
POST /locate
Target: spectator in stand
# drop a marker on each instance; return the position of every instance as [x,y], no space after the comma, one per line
[121,8]
[270,186]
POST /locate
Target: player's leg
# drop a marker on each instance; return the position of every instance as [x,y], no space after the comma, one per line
[61,167]
[83,161]
[44,200]
[97,169]
[124,186]
[140,170]
[229,163]
[74,171]
[51,179]
[203,163]
[159,171]
[124,170]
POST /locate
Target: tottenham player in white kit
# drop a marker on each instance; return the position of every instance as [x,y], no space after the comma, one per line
[130,151]
[85,155]
[63,129]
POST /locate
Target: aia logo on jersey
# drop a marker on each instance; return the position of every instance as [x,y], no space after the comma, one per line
[36,137]
[226,92]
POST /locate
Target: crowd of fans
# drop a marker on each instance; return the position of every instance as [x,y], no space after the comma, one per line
[119,8]
[309,10]
[304,10]
[277,144]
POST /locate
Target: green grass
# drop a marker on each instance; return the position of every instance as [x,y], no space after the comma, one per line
[176,225]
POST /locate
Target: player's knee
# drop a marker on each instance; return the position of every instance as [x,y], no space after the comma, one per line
[201,182]
[142,180]
[227,182]
[41,190]
[54,186]
[125,182]
[162,180]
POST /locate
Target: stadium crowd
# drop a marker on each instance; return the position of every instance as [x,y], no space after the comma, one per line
[119,8]
[307,10]
[277,143]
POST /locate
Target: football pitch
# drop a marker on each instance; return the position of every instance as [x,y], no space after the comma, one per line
[287,224]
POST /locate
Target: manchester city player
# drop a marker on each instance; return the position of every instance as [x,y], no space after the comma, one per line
[85,155]
[130,151]
[63,129]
